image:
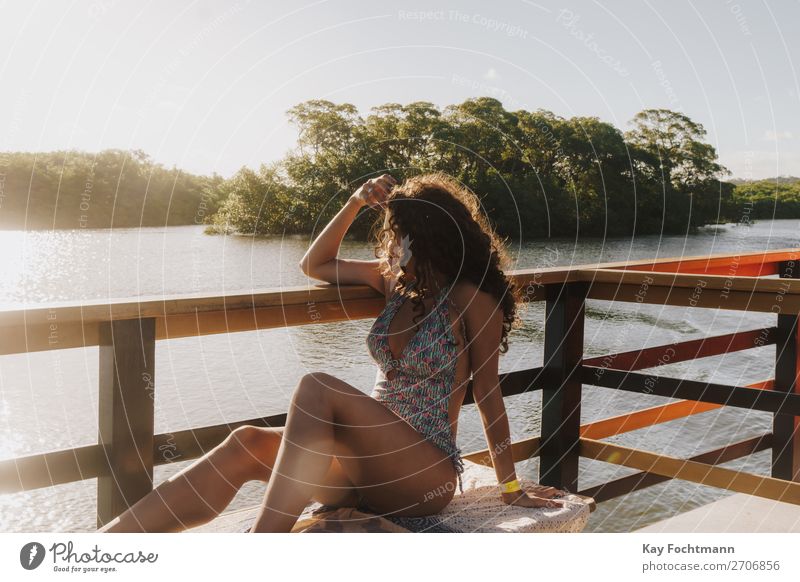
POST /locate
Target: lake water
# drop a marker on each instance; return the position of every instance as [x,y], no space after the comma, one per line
[48,401]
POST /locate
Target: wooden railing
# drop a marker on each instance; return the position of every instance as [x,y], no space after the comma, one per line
[126,332]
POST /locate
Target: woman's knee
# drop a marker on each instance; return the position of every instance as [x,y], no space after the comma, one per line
[253,449]
[313,387]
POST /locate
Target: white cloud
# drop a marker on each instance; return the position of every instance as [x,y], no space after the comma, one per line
[491,74]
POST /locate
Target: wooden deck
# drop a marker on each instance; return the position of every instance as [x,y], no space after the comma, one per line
[238,521]
[737,513]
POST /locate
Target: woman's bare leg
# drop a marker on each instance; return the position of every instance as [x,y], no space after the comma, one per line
[394,466]
[201,491]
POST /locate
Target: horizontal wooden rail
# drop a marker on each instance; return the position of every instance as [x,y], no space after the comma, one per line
[738,396]
[737,293]
[66,325]
[760,263]
[644,479]
[91,461]
[694,471]
[529,448]
[685,350]
[647,417]
[616,425]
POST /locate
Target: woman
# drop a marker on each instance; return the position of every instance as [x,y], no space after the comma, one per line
[448,313]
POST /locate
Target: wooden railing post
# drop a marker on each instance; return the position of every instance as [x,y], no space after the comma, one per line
[786,427]
[127,414]
[561,394]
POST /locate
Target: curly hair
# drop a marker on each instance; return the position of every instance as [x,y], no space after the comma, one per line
[449,235]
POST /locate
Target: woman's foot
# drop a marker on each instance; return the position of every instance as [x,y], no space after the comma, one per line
[546,491]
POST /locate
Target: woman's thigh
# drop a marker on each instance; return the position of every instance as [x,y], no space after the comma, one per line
[391,465]
[261,451]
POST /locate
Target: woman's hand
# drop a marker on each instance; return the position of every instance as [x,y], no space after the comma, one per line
[542,499]
[374,191]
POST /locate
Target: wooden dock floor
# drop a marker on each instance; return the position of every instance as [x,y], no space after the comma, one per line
[240,520]
[737,513]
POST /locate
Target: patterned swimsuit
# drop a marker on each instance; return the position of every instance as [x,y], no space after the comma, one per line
[424,374]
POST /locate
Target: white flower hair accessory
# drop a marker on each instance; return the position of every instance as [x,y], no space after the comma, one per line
[404,250]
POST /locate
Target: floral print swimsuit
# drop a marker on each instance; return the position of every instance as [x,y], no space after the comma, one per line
[423,375]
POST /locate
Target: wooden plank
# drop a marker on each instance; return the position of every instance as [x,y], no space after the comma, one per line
[195,303]
[90,462]
[682,351]
[197,314]
[689,298]
[644,418]
[623,423]
[652,416]
[696,472]
[277,316]
[561,395]
[713,262]
[127,414]
[513,383]
[188,304]
[738,396]
[701,268]
[702,282]
[705,282]
[32,330]
[55,335]
[785,427]
[644,479]
[52,468]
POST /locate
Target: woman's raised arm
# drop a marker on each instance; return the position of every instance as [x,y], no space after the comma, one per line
[320,260]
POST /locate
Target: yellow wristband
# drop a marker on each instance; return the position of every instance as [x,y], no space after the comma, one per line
[510,487]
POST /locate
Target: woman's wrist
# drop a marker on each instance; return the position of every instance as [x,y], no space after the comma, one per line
[356,201]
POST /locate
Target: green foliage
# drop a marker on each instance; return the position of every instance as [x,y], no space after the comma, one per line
[113,188]
[776,198]
[537,174]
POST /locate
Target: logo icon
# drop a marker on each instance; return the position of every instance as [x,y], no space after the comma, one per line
[31,555]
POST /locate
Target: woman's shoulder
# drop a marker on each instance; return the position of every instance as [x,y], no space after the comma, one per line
[474,303]
[465,293]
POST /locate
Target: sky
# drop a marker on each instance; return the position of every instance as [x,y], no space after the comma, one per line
[204,85]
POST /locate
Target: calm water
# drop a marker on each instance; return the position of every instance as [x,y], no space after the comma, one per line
[48,401]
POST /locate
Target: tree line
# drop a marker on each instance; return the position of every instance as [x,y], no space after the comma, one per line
[71,189]
[536,173]
[767,199]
